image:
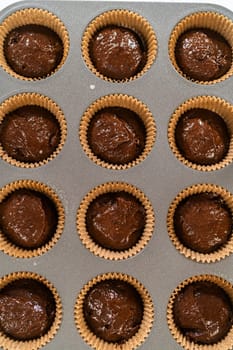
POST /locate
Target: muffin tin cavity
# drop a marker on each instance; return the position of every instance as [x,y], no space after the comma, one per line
[33,130]
[208,137]
[223,209]
[220,294]
[119,45]
[137,219]
[39,296]
[22,33]
[146,322]
[38,218]
[205,38]
[127,141]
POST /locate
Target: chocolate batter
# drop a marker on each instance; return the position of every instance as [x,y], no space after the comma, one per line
[203,54]
[116,220]
[202,136]
[27,309]
[203,222]
[30,134]
[117,52]
[203,312]
[113,310]
[28,218]
[116,135]
[33,51]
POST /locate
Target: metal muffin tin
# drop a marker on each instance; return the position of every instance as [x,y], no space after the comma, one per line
[69,265]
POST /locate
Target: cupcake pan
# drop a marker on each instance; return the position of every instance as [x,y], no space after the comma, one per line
[159,266]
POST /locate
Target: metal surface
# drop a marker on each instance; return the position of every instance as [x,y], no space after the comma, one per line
[69,265]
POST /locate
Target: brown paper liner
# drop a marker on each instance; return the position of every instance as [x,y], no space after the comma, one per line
[11,249]
[9,344]
[214,104]
[221,252]
[32,16]
[127,19]
[107,253]
[26,99]
[210,20]
[224,344]
[125,101]
[146,324]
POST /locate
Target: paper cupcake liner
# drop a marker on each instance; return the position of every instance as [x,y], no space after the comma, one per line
[146,324]
[11,249]
[221,252]
[32,16]
[224,344]
[127,19]
[95,248]
[209,20]
[27,99]
[9,344]
[214,104]
[125,101]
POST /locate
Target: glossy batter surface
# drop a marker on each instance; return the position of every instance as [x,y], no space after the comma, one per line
[28,218]
[203,54]
[27,309]
[116,220]
[33,51]
[203,222]
[203,312]
[116,135]
[117,52]
[113,310]
[30,134]
[202,136]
